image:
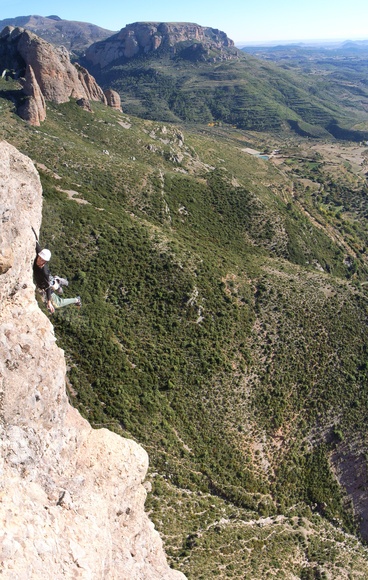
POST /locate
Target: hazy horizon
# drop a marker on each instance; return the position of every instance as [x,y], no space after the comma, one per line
[307,41]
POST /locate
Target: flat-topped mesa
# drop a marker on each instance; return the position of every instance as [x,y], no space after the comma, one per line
[57,79]
[146,37]
[72,497]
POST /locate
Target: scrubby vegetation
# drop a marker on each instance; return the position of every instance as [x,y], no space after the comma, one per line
[242,91]
[223,327]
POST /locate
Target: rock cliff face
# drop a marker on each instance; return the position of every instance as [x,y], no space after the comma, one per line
[71,497]
[145,37]
[53,75]
[33,109]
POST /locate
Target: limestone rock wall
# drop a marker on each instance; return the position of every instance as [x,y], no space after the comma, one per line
[71,498]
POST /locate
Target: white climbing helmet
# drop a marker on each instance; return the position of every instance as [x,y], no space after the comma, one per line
[45,255]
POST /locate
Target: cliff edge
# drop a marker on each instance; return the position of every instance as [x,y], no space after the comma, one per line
[71,497]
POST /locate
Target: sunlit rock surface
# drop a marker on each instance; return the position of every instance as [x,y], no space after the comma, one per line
[71,497]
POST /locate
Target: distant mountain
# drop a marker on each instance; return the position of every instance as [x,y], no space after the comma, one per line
[272,52]
[184,72]
[181,39]
[75,36]
[360,46]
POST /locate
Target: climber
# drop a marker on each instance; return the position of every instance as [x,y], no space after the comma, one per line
[48,284]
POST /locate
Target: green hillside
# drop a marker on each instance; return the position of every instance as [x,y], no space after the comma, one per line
[245,92]
[223,327]
[335,73]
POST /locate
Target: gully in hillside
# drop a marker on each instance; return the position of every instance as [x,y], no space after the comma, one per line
[50,286]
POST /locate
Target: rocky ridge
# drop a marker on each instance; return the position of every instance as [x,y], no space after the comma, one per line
[146,37]
[74,36]
[44,71]
[71,497]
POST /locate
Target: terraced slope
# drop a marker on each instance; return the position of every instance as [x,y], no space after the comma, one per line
[192,80]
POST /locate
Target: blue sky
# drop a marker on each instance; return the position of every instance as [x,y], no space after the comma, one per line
[243,21]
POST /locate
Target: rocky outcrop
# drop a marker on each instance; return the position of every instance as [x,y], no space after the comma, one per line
[71,497]
[57,77]
[92,90]
[46,72]
[146,37]
[33,109]
[113,99]
[84,104]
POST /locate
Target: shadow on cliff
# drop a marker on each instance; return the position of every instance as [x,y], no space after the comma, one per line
[16,96]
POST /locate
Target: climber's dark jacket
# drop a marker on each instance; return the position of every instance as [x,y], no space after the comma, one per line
[42,275]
